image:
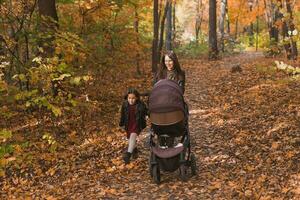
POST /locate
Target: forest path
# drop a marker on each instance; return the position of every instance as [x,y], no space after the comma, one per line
[236,136]
[244,124]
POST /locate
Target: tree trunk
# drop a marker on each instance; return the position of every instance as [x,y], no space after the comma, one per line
[251,32]
[236,26]
[162,30]
[198,19]
[227,19]
[257,32]
[160,9]
[48,25]
[169,28]
[267,14]
[213,46]
[292,51]
[136,28]
[275,15]
[221,23]
[155,36]
[174,22]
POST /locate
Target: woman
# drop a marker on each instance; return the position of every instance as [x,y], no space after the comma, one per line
[170,69]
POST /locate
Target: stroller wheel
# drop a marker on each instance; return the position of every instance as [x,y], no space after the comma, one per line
[193,164]
[183,172]
[156,173]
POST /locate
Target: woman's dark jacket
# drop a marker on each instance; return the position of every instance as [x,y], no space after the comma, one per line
[141,112]
[180,78]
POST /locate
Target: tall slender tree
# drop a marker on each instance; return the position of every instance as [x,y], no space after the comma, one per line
[48,25]
[155,36]
[174,22]
[251,27]
[227,19]
[213,46]
[136,28]
[162,29]
[169,27]
[288,32]
[221,22]
[199,17]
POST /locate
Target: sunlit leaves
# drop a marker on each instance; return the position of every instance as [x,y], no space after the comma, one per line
[5,134]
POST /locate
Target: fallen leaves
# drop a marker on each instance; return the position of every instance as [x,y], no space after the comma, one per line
[215,185]
[275,145]
[244,134]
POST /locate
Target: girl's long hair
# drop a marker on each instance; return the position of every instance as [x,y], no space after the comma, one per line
[163,66]
[132,91]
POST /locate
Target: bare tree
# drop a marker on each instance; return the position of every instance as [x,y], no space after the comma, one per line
[155,36]
[251,27]
[221,22]
[136,28]
[48,24]
[288,29]
[162,29]
[213,46]
[199,17]
[227,19]
[174,22]
[169,27]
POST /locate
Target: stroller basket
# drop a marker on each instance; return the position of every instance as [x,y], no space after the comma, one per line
[167,153]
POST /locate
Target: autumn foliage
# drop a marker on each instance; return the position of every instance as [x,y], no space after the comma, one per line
[64,67]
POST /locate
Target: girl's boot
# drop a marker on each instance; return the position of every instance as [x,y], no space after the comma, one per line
[126,158]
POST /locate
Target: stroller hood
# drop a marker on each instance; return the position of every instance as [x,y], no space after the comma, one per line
[166,104]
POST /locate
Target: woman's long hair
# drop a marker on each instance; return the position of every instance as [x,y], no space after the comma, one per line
[162,69]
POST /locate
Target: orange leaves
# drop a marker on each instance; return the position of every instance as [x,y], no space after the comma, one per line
[215,185]
[275,145]
[109,139]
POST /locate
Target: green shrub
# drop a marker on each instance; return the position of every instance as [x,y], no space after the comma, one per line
[192,50]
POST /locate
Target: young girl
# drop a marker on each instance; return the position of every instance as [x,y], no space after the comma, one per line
[133,119]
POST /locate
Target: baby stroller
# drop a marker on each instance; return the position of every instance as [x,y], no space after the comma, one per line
[169,117]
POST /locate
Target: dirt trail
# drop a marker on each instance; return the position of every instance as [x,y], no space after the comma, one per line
[245,135]
[231,164]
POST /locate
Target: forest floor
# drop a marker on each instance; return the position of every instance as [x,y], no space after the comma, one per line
[244,124]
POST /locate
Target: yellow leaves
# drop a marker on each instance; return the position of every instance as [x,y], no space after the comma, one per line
[2,173]
[51,172]
[111,169]
[248,193]
[250,168]
[117,161]
[5,161]
[51,198]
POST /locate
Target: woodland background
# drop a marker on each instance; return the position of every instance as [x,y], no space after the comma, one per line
[65,64]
